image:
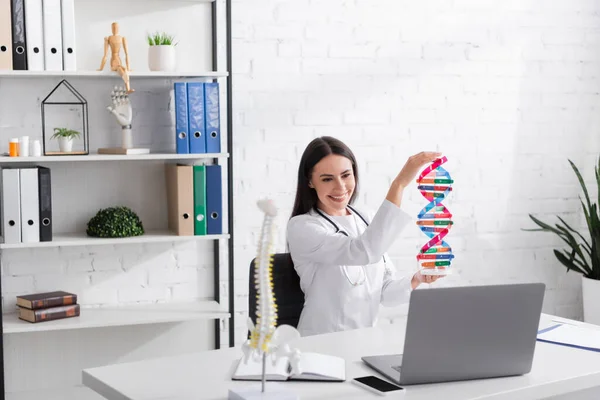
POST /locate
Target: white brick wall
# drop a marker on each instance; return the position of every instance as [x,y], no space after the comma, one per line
[507,90]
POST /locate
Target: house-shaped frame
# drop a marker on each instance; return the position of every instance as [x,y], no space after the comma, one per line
[78,105]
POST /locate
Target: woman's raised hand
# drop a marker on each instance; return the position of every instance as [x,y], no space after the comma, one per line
[413,165]
[408,173]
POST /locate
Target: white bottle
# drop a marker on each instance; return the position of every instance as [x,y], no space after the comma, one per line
[24,146]
[36,148]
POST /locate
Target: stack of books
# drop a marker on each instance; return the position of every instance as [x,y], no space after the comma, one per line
[48,306]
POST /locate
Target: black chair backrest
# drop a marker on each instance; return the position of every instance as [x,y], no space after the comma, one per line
[286,287]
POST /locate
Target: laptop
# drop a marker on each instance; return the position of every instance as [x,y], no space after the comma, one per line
[468,332]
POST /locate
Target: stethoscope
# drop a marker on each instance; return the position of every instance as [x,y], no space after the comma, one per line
[338,230]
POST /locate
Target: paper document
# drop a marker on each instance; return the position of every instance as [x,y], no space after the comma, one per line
[572,336]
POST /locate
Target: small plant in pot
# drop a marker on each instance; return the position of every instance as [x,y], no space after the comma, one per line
[115,222]
[65,138]
[161,53]
[583,252]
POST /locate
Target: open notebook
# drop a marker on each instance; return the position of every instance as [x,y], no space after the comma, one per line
[314,366]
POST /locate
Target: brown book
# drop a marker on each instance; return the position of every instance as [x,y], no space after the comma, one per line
[49,314]
[46,300]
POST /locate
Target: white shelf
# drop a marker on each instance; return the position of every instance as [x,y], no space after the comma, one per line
[112,157]
[111,74]
[75,392]
[171,1]
[81,239]
[121,316]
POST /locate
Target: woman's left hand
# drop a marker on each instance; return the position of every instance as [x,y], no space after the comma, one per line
[419,278]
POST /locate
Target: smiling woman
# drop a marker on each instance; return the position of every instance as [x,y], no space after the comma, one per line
[340,253]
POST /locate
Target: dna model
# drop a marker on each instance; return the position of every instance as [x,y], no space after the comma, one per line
[266,338]
[434,220]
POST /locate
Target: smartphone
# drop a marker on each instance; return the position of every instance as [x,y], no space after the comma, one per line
[376,385]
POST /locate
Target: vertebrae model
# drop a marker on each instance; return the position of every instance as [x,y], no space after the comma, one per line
[265,338]
[435,184]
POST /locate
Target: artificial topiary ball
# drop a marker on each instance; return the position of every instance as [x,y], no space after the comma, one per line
[115,222]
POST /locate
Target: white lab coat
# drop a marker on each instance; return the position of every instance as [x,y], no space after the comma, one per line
[320,255]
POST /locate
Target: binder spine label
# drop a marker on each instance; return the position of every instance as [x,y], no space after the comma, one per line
[182,142]
[196,117]
[212,117]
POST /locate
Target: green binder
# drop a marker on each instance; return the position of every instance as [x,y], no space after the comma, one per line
[199,200]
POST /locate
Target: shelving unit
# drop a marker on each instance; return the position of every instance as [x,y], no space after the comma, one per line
[81,239]
[146,314]
[111,74]
[111,157]
[121,316]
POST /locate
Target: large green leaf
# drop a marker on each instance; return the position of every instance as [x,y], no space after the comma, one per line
[596,257]
[582,183]
[597,171]
[567,262]
[576,248]
[543,225]
[587,246]
[566,237]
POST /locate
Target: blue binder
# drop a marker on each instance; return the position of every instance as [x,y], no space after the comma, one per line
[214,209]
[182,144]
[195,98]
[212,117]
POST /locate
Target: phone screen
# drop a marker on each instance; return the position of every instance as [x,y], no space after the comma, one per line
[378,384]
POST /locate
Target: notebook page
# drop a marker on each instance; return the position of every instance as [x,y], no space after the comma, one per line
[253,369]
[316,366]
[572,335]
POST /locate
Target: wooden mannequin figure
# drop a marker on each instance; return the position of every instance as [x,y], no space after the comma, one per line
[115,41]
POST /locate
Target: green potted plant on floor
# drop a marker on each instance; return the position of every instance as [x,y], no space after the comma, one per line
[65,138]
[161,53]
[583,252]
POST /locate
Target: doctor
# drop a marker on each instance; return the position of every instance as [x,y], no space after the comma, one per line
[338,251]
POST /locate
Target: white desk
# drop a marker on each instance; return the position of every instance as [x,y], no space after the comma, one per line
[557,370]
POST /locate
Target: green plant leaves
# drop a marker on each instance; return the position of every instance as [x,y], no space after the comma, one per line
[160,39]
[65,132]
[115,222]
[584,256]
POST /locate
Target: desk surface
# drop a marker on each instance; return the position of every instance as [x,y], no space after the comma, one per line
[207,375]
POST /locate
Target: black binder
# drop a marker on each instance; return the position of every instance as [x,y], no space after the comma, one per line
[18,35]
[45,197]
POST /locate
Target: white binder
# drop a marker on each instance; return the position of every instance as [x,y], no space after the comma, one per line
[30,206]
[11,206]
[52,35]
[35,35]
[68,35]
[5,35]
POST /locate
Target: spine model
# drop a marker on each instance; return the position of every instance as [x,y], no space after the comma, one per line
[266,338]
[266,310]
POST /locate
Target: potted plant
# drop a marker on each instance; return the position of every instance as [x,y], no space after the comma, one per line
[65,138]
[161,53]
[583,253]
[115,222]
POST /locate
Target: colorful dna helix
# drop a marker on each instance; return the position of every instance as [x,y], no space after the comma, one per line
[434,219]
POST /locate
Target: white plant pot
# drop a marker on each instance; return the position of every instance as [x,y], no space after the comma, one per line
[590,289]
[65,144]
[161,58]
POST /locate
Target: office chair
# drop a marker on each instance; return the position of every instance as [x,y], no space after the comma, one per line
[286,287]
